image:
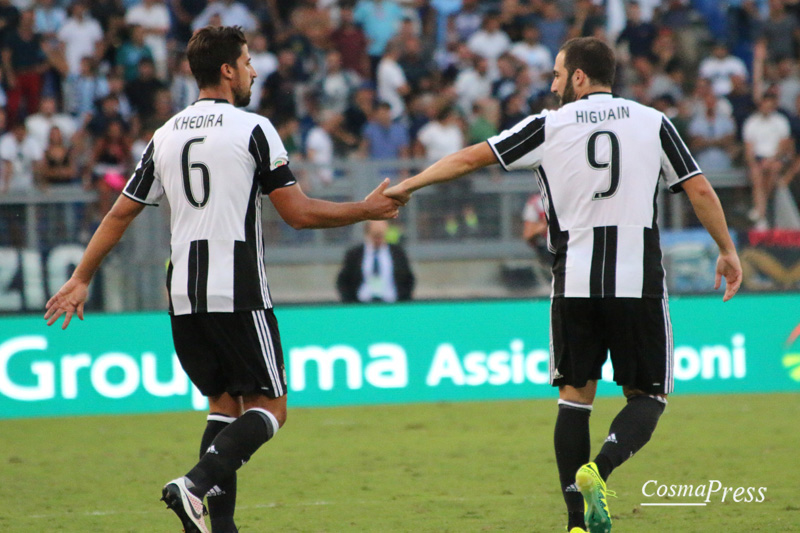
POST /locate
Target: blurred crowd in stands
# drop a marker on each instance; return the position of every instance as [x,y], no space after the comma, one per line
[86,83]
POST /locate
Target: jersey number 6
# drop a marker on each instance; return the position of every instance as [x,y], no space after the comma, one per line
[612,165]
[186,170]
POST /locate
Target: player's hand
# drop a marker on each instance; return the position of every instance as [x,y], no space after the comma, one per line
[729,267]
[399,193]
[67,301]
[380,206]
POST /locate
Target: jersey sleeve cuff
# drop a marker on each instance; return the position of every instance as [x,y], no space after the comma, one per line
[678,186]
[137,200]
[499,159]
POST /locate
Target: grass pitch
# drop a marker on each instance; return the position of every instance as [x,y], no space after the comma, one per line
[428,467]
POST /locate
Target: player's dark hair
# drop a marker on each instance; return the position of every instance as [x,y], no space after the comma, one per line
[210,48]
[593,56]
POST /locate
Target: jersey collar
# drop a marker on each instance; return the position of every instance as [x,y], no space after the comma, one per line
[598,95]
[212,100]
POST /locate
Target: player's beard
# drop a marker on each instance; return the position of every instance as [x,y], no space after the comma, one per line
[569,93]
[241,96]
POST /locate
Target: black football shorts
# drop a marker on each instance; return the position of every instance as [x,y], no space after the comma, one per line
[636,332]
[238,353]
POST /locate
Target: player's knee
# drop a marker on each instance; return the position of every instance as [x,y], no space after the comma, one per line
[280,416]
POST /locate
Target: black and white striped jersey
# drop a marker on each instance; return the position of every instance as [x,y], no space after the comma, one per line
[598,161]
[213,162]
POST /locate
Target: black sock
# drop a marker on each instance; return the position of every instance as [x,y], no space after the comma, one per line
[572,445]
[629,432]
[222,496]
[232,448]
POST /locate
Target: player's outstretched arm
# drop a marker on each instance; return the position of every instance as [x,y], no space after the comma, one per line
[448,168]
[302,212]
[708,209]
[69,300]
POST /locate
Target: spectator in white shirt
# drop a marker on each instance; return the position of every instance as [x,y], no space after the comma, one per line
[337,84]
[319,147]
[473,84]
[440,137]
[40,124]
[21,158]
[230,13]
[265,63]
[535,55]
[80,35]
[768,145]
[392,84]
[153,16]
[490,41]
[720,67]
[184,90]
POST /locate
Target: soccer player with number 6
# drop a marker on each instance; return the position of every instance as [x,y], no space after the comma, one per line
[213,162]
[598,160]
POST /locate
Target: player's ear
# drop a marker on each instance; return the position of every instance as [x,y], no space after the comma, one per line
[578,76]
[227,71]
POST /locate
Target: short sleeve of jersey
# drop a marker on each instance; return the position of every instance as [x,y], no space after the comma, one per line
[271,158]
[522,146]
[677,163]
[145,186]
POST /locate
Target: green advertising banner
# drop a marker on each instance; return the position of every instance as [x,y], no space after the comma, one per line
[417,352]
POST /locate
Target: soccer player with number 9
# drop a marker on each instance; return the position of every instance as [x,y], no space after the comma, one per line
[598,160]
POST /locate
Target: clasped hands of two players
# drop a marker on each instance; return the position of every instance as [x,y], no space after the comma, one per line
[386,201]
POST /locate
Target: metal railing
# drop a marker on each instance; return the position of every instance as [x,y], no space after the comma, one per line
[433,225]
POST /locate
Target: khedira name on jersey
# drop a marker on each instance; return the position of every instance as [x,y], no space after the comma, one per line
[197,121]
